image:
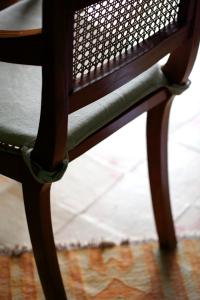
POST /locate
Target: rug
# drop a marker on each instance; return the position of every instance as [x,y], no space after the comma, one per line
[136,271]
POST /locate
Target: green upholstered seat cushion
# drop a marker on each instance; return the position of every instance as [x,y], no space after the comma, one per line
[20,90]
[20,97]
[94,116]
[20,100]
[26,14]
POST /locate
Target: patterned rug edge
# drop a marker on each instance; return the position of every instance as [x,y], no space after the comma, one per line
[20,249]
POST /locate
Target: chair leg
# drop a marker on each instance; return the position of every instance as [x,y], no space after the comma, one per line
[157,138]
[37,207]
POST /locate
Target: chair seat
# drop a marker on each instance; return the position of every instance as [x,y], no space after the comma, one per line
[20,101]
[20,96]
[20,86]
[26,14]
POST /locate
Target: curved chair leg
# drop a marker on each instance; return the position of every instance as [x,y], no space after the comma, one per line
[157,138]
[37,207]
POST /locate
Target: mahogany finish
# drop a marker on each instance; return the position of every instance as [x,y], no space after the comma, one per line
[52,48]
[157,136]
[37,207]
[90,90]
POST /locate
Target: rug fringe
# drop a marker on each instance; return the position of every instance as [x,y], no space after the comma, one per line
[14,251]
[20,249]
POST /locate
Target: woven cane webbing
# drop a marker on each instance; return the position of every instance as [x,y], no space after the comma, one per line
[108,29]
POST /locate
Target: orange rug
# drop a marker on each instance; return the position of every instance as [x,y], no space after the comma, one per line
[128,272]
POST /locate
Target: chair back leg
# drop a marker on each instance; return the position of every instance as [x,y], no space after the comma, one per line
[37,207]
[157,140]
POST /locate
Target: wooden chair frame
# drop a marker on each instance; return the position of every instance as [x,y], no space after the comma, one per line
[60,95]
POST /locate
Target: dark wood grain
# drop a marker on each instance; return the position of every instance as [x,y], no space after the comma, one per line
[52,48]
[11,165]
[28,46]
[157,137]
[183,58]
[96,86]
[133,112]
[50,145]
[38,214]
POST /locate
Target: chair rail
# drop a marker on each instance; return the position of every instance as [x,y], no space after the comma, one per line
[22,47]
[93,88]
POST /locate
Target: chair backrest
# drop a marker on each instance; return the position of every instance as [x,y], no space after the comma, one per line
[116,40]
[89,48]
[108,42]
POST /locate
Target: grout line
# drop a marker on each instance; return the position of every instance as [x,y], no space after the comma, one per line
[188,147]
[78,214]
[190,206]
[95,222]
[143,161]
[98,198]
[197,200]
[187,207]
[56,232]
[121,176]
[174,130]
[111,186]
[104,162]
[105,226]
[112,166]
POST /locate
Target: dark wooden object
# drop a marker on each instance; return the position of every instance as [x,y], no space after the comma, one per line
[51,47]
[157,136]
[6,3]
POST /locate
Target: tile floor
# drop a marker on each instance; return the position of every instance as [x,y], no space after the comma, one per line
[105,193]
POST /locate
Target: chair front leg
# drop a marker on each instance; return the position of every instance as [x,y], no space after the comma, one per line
[38,214]
[157,142]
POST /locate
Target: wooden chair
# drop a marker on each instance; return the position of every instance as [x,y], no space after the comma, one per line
[81,70]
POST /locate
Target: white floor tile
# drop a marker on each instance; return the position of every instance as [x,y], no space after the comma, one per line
[126,148]
[86,229]
[85,180]
[104,194]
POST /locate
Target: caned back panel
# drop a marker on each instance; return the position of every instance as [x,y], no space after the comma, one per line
[108,30]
